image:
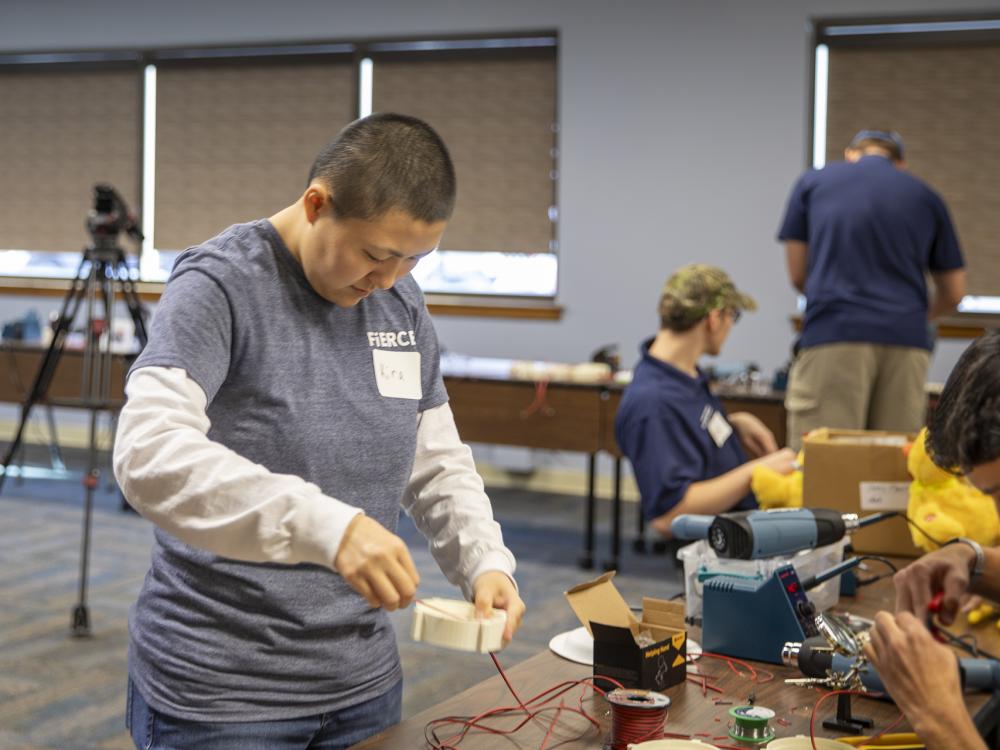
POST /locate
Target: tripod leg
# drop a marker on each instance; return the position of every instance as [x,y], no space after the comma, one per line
[81,615]
[55,454]
[123,275]
[96,381]
[43,378]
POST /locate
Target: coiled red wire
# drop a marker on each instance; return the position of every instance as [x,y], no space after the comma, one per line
[632,725]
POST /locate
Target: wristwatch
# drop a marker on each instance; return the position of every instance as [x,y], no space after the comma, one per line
[977,569]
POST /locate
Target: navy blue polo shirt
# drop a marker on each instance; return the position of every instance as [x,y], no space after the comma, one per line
[873,231]
[662,427]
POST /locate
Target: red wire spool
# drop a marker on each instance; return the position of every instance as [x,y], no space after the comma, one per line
[636,716]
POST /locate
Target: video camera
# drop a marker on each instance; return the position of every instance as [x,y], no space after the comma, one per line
[109,216]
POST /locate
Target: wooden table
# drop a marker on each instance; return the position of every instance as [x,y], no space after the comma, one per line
[691,712]
[19,363]
[553,416]
[577,417]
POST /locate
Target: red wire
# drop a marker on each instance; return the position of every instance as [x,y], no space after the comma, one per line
[630,725]
[538,404]
[812,719]
[509,686]
[730,660]
[532,709]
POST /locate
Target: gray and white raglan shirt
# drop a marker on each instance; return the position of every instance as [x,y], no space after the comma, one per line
[260,420]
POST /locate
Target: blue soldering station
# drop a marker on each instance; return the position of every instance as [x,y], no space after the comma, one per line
[750,617]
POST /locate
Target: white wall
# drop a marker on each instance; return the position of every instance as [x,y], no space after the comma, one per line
[683,127]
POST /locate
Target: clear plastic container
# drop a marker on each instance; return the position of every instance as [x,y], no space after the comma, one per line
[699,557]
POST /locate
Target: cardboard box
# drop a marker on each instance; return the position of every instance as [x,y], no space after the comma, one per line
[607,617]
[863,472]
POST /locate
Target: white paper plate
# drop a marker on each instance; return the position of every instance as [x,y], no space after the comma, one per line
[693,650]
[578,645]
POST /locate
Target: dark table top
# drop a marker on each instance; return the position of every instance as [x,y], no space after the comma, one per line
[694,712]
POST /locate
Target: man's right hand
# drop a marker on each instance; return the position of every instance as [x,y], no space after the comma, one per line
[922,677]
[946,570]
[781,461]
[377,564]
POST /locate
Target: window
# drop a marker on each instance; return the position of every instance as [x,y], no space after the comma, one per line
[63,129]
[199,139]
[937,82]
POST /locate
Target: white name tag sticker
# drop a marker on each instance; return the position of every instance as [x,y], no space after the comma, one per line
[719,429]
[885,495]
[397,374]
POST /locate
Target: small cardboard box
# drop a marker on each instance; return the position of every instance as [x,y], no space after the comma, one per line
[863,472]
[607,617]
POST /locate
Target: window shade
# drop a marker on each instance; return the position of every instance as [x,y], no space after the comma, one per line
[235,141]
[497,115]
[945,102]
[60,133]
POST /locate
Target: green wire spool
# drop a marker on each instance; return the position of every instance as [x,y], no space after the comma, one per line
[750,724]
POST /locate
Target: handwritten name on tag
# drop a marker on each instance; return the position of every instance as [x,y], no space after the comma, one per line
[397,374]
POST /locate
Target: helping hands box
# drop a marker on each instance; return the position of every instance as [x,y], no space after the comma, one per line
[617,654]
[863,472]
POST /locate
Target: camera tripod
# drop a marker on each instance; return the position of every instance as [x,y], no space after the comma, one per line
[103,272]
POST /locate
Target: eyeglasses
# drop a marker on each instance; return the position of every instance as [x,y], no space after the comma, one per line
[736,315]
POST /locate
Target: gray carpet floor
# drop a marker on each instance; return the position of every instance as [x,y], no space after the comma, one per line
[61,692]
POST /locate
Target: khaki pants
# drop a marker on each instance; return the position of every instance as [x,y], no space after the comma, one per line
[856,386]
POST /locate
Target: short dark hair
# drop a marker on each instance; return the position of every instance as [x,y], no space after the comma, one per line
[386,161]
[886,140]
[964,429]
[679,325]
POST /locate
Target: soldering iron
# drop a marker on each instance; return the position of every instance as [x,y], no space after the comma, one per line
[755,534]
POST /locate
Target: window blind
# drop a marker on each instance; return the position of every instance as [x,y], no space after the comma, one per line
[235,140]
[62,131]
[497,115]
[945,102]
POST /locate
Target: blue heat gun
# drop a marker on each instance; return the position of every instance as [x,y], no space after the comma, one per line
[754,534]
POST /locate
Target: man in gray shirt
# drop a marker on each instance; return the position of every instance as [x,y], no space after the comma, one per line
[288,402]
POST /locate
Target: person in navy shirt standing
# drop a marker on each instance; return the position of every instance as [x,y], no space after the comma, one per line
[860,236]
[687,454]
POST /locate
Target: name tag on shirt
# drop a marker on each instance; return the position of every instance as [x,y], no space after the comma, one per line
[397,374]
[719,429]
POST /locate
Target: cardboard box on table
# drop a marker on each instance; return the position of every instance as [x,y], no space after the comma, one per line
[607,617]
[863,472]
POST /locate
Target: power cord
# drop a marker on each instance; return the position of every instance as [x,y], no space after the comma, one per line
[875,579]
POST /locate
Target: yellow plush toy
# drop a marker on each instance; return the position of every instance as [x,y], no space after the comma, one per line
[944,505]
[983,613]
[776,490]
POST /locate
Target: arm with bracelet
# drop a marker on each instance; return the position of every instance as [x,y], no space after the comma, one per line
[920,674]
[960,567]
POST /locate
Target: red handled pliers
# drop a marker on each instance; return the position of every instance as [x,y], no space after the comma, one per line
[932,609]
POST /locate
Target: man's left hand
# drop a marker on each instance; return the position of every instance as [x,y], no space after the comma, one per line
[495,589]
[757,439]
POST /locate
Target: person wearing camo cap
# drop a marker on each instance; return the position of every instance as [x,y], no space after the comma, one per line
[687,454]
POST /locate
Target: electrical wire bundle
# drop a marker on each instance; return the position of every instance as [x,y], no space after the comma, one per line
[539,709]
[636,716]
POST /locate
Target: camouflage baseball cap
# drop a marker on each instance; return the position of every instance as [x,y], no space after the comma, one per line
[694,290]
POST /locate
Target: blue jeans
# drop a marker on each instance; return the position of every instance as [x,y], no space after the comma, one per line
[335,730]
